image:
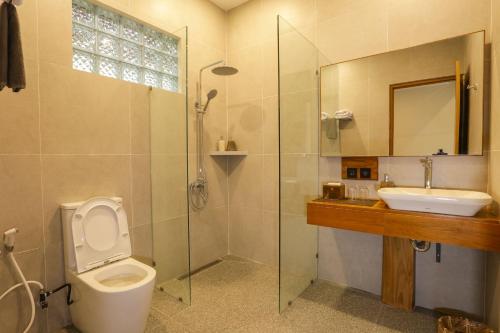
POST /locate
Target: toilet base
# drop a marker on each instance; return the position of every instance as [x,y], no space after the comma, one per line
[93,311]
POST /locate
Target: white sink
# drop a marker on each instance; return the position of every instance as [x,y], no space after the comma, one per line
[452,202]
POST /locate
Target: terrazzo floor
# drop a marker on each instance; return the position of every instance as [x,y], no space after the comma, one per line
[241,296]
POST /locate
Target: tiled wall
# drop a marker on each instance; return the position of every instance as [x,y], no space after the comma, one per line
[72,135]
[253,123]
[342,30]
[493,265]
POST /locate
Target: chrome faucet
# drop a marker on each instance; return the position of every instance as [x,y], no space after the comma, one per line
[427,163]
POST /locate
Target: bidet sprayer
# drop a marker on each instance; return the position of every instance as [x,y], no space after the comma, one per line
[9,239]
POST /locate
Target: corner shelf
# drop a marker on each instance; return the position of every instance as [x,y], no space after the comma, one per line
[229,153]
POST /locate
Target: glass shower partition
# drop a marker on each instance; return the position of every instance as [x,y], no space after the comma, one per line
[169,179]
[299,62]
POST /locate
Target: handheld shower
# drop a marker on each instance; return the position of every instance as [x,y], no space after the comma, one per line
[211,95]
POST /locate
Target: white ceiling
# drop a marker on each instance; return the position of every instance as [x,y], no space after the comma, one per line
[228,4]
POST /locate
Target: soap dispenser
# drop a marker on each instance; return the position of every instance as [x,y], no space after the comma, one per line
[221,144]
[387,182]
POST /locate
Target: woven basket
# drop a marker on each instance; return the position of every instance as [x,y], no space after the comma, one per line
[455,324]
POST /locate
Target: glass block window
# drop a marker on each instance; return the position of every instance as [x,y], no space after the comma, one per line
[112,45]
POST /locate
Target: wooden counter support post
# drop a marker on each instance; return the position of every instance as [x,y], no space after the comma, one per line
[398,273]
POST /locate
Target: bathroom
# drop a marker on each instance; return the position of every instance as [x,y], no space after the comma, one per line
[227,232]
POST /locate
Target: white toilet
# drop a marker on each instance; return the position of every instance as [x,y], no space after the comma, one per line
[111,292]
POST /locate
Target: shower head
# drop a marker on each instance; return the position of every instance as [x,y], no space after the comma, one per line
[224,70]
[211,95]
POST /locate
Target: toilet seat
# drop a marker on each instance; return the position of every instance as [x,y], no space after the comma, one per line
[100,234]
[97,278]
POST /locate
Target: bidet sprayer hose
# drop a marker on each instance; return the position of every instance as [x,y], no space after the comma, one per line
[10,256]
[9,239]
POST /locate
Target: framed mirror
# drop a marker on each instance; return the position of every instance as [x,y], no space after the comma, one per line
[423,100]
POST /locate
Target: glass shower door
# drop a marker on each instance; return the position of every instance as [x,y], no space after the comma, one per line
[299,156]
[169,179]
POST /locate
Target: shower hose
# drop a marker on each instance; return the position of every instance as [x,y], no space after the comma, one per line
[26,284]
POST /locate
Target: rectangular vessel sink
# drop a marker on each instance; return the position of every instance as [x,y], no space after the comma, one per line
[452,202]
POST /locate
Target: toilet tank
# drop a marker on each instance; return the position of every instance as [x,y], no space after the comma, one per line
[67,211]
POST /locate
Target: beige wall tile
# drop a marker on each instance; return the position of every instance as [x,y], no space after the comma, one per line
[299,122]
[269,59]
[21,199]
[206,22]
[414,22]
[299,13]
[429,273]
[143,242]
[344,261]
[168,185]
[494,176]
[168,123]
[270,125]
[215,123]
[328,9]
[201,55]
[208,236]
[252,236]
[121,5]
[247,84]
[493,290]
[58,313]
[472,174]
[245,25]
[19,116]
[300,182]
[54,32]
[83,113]
[353,34]
[77,178]
[245,182]
[141,191]
[270,183]
[495,96]
[245,125]
[140,119]
[29,30]
[170,248]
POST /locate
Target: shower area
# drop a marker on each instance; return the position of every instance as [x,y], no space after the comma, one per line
[184,175]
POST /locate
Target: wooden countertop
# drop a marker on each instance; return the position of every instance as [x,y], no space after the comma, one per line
[479,232]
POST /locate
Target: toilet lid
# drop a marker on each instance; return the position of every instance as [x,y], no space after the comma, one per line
[100,233]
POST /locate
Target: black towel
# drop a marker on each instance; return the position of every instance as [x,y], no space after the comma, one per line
[10,39]
[4,45]
[17,79]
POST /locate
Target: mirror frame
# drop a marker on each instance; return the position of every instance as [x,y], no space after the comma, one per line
[418,83]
